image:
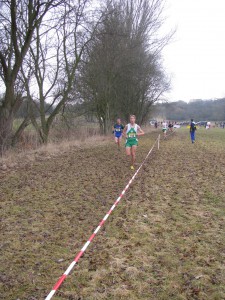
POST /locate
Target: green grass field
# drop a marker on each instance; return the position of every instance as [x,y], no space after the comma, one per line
[164,241]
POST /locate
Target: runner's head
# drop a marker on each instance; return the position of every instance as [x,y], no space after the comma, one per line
[132,119]
[118,121]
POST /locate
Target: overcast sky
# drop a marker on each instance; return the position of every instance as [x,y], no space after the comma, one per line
[196,57]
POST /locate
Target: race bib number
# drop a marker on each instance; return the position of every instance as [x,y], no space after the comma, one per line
[132,135]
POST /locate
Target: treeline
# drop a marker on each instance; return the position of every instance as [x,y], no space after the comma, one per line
[100,57]
[199,110]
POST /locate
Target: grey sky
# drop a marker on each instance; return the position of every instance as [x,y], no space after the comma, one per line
[196,57]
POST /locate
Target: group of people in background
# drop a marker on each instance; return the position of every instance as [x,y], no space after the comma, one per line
[169,125]
[193,128]
[220,124]
[166,126]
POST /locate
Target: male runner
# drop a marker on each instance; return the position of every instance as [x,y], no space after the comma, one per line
[131,131]
[164,128]
[118,131]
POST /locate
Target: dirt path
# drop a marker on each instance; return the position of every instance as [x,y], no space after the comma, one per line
[164,241]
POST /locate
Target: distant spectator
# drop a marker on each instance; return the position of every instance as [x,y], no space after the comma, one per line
[208,125]
[192,131]
[170,126]
[156,125]
[164,128]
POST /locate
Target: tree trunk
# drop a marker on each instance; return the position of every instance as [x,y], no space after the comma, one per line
[101,127]
[105,127]
[6,125]
[9,107]
[45,136]
[6,119]
[20,130]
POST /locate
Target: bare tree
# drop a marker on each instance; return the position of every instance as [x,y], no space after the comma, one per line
[55,57]
[18,21]
[123,72]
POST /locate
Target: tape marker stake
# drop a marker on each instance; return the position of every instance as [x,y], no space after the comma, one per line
[85,246]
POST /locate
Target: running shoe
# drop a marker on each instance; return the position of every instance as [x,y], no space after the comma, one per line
[132,167]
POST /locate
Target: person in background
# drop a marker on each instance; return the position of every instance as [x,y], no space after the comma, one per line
[156,124]
[208,125]
[118,131]
[170,126]
[164,128]
[192,131]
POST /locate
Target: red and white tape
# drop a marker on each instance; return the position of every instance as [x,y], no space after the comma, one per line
[76,259]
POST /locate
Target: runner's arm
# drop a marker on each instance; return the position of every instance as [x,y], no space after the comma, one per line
[125,131]
[140,131]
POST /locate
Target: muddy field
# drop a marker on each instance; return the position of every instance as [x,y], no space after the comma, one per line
[165,240]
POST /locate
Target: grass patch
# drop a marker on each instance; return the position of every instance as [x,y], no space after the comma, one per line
[164,241]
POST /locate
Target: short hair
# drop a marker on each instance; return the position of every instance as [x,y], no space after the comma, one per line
[132,116]
[192,120]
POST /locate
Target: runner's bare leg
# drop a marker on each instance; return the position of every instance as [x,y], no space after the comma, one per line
[128,151]
[133,154]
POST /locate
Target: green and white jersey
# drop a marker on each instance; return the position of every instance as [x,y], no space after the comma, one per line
[164,125]
[132,131]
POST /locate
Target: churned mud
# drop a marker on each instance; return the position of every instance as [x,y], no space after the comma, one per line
[165,240]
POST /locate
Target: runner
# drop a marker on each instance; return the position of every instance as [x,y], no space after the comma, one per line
[118,130]
[131,131]
[208,125]
[164,128]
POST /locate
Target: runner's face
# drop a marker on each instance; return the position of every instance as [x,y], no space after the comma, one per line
[132,120]
[118,121]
